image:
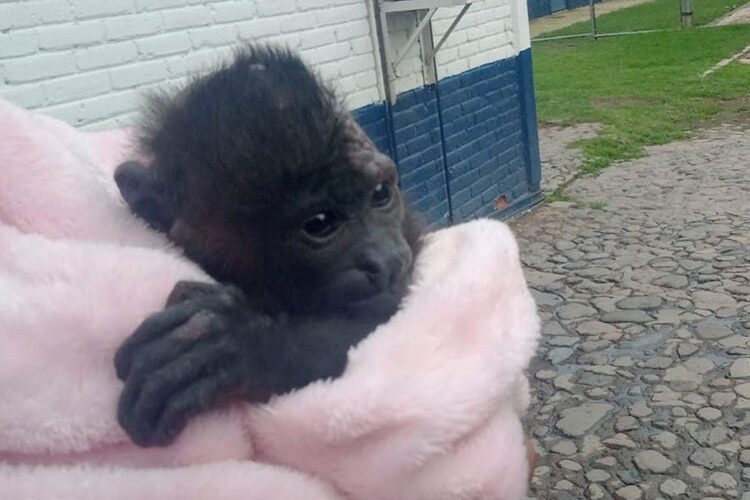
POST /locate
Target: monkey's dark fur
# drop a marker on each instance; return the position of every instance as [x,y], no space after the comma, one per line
[258,172]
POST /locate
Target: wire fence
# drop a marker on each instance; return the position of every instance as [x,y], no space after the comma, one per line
[594,20]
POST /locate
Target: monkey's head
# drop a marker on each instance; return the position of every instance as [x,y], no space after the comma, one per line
[268,183]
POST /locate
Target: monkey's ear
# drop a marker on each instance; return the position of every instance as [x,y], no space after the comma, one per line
[145,195]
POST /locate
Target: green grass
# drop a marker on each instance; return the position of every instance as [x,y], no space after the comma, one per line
[645,89]
[705,11]
[658,14]
[562,196]
[558,196]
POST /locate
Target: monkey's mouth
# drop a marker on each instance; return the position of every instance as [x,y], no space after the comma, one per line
[358,296]
[382,305]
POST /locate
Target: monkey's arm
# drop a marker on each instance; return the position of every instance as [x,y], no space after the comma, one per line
[208,346]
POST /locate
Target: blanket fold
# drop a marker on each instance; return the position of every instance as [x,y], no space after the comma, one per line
[429,406]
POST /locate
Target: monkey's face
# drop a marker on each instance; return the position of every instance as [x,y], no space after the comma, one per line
[333,239]
[267,183]
[343,247]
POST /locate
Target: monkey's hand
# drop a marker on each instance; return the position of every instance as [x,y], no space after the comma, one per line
[202,348]
[210,345]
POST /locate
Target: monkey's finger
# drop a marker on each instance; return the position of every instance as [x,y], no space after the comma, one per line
[204,360]
[161,432]
[200,396]
[189,290]
[202,325]
[147,358]
[153,327]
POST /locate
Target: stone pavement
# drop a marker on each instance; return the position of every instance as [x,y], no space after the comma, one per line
[642,384]
[740,15]
[560,163]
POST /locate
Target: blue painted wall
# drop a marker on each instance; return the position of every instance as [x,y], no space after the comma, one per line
[462,144]
[419,152]
[539,8]
[373,120]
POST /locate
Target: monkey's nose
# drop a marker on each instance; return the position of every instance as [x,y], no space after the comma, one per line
[374,268]
[381,270]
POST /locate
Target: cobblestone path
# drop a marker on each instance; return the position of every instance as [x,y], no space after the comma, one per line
[642,384]
[560,164]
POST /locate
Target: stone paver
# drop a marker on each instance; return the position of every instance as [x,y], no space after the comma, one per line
[740,15]
[641,388]
[559,162]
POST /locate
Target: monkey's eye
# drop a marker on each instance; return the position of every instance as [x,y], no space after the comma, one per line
[321,225]
[382,195]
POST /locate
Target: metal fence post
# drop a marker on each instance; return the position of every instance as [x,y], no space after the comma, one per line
[686,13]
[592,12]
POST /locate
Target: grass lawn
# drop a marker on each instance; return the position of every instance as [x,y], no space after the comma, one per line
[646,89]
[658,14]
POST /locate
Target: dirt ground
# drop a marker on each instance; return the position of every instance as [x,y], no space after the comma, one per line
[565,18]
[740,15]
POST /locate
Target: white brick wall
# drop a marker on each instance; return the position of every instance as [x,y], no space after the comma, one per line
[409,70]
[485,34]
[89,61]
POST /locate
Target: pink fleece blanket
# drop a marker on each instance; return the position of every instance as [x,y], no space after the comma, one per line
[429,406]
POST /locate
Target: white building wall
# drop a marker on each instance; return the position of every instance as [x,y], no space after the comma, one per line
[486,33]
[89,61]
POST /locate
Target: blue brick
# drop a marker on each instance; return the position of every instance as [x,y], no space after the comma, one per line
[451,129]
[477,161]
[481,185]
[436,184]
[405,118]
[420,190]
[439,216]
[490,195]
[478,138]
[409,179]
[451,113]
[466,150]
[469,208]
[419,144]
[506,157]
[484,114]
[484,88]
[471,105]
[463,122]
[461,197]
[456,140]
[454,99]
[368,114]
[372,120]
[453,157]
[460,182]
[407,132]
[457,168]
[406,99]
[484,141]
[487,141]
[449,85]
